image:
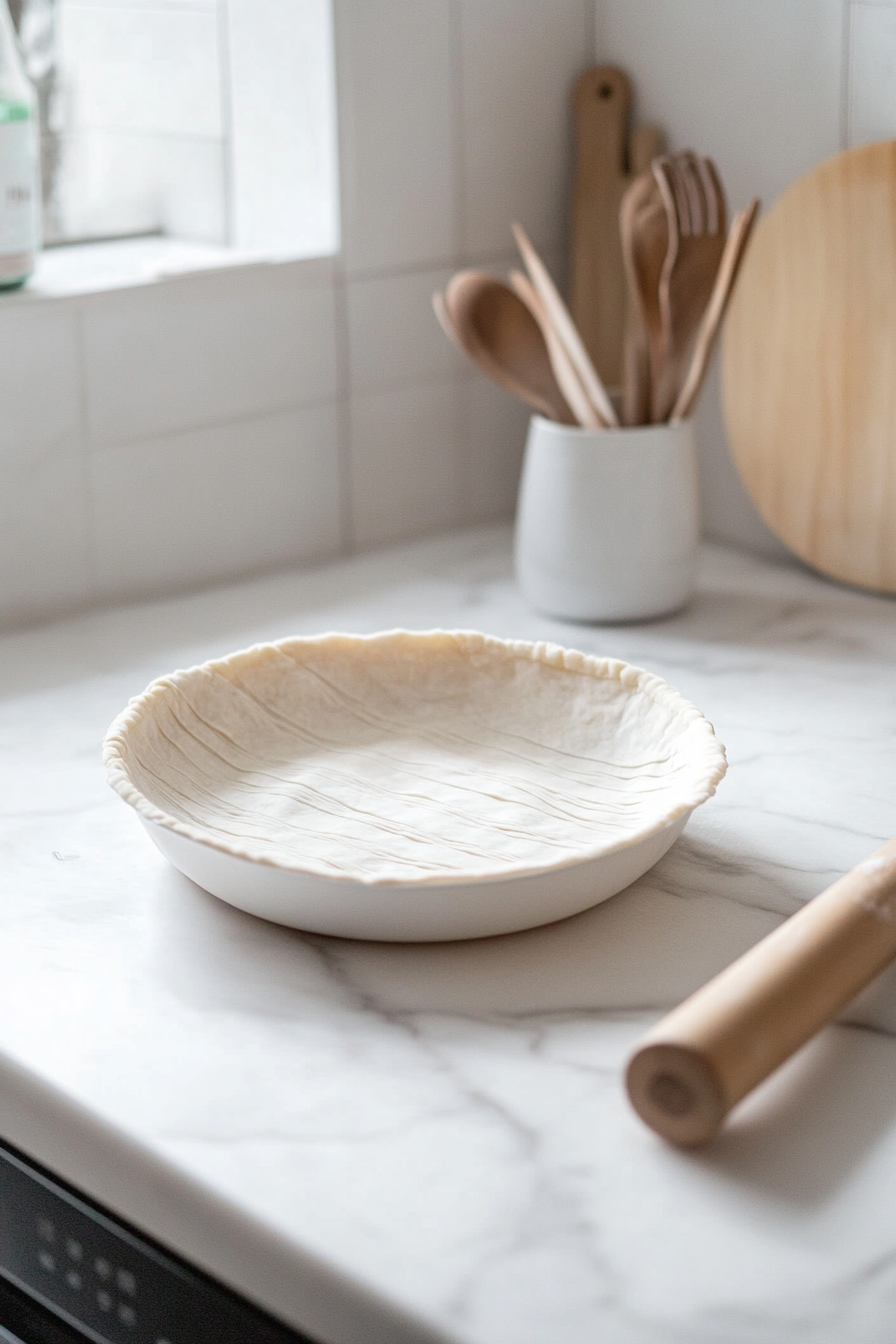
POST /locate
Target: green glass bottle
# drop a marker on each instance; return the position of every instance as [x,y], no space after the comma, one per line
[19,161]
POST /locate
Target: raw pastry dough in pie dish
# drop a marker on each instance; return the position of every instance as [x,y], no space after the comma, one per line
[413,786]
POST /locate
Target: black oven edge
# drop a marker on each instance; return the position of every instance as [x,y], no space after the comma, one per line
[51,1233]
[140,1188]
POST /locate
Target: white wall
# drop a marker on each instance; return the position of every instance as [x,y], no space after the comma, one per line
[200,427]
[208,426]
[453,123]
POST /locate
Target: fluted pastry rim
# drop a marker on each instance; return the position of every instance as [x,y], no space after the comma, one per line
[640,702]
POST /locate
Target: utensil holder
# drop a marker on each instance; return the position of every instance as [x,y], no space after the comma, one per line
[607,522]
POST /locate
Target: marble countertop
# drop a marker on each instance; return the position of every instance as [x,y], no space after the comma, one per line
[432,1143]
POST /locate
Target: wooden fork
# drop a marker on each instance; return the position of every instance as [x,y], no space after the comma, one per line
[726,276]
[694,203]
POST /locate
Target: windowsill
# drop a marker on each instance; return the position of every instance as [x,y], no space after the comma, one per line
[93,268]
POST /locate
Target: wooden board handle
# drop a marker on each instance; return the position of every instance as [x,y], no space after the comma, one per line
[700,1060]
[601,104]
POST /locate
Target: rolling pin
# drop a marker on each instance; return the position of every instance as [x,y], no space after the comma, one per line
[705,1056]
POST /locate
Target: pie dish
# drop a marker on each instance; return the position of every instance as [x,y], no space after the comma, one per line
[412,785]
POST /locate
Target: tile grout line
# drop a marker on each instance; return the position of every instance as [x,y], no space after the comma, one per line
[90,538]
[344,474]
[494,257]
[225,61]
[345,163]
[250,417]
[461,402]
[845,74]
[589,14]
[458,130]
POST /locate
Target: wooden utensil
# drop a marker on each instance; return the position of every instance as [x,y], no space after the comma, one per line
[601,104]
[644,235]
[738,237]
[559,317]
[494,328]
[808,363]
[567,379]
[646,143]
[692,1068]
[695,216]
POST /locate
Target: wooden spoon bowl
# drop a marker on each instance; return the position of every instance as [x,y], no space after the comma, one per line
[494,328]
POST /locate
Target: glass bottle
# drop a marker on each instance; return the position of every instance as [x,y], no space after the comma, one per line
[19,161]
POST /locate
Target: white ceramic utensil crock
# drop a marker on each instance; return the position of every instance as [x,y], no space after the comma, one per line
[607,523]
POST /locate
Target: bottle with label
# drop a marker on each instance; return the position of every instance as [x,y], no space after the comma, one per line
[19,161]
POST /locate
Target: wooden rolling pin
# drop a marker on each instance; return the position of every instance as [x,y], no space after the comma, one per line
[701,1059]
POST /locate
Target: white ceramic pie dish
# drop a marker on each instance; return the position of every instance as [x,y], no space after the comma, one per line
[412,786]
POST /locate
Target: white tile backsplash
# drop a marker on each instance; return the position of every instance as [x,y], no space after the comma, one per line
[283,165]
[753,83]
[208,425]
[493,429]
[725,507]
[518,61]
[40,397]
[43,538]
[393,333]
[405,462]
[396,89]
[872,71]
[206,349]
[217,501]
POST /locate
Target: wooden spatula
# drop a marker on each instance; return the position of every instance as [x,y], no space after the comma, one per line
[567,378]
[558,315]
[738,237]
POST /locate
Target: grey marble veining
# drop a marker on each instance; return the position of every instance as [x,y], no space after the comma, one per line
[444,1125]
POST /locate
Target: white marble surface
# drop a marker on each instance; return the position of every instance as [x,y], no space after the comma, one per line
[432,1143]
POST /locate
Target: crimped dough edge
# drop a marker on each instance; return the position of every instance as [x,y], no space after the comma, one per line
[708,762]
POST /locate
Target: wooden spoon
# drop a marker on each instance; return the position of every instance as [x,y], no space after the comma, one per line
[495,329]
[735,247]
[695,214]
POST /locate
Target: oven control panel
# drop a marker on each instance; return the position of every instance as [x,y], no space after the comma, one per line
[107,1280]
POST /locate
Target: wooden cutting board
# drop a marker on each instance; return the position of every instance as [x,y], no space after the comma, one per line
[606,161]
[809,368]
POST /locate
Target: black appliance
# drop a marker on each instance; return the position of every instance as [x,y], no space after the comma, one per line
[71,1271]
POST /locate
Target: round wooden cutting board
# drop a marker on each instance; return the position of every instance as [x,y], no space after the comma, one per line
[809,368]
